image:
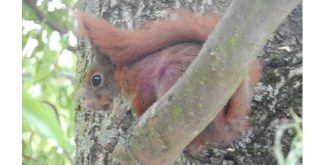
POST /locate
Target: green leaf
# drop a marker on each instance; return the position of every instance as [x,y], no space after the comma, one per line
[42,118]
[55,157]
[26,148]
[27,12]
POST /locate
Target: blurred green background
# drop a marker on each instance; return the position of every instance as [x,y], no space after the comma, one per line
[48,68]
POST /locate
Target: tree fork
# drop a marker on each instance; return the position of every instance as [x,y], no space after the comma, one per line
[175,119]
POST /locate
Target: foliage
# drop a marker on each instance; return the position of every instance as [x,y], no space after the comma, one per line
[48,69]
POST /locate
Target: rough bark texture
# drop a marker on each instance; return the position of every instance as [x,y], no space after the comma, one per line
[279,90]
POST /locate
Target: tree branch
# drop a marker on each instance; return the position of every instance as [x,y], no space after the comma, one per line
[54,108]
[44,18]
[50,22]
[175,119]
[73,49]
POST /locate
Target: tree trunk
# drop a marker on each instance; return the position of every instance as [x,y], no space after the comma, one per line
[279,90]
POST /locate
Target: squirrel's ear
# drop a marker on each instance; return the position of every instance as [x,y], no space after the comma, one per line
[100,57]
[81,28]
[89,27]
[105,38]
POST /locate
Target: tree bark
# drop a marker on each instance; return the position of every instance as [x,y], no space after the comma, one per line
[97,133]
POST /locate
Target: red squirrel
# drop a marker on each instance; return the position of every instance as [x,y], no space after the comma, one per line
[147,62]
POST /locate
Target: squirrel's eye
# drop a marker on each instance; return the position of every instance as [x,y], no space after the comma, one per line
[96,80]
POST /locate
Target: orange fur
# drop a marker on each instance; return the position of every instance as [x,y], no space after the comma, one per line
[233,119]
[125,46]
[149,61]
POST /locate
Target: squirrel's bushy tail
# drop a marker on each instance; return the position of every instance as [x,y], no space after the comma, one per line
[125,46]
